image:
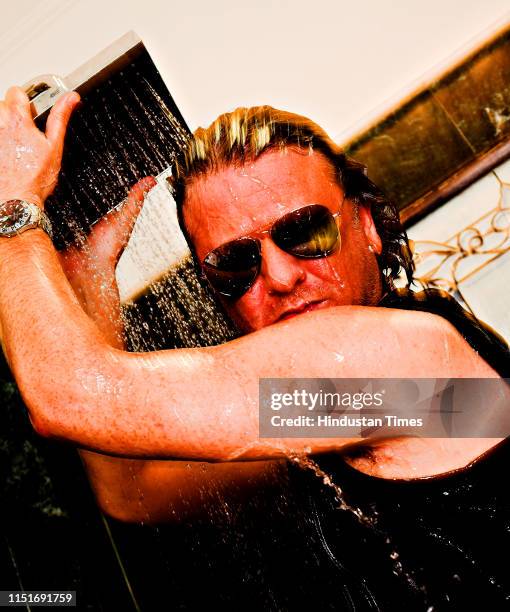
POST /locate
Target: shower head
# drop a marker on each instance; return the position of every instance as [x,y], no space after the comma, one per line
[45,90]
[128,127]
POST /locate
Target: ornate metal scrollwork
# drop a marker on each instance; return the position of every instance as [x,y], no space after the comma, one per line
[488,236]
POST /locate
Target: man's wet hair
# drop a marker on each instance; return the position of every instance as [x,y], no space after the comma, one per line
[243,135]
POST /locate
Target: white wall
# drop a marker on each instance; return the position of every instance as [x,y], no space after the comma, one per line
[334,60]
[340,62]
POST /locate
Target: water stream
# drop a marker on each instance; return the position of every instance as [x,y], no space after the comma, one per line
[127,129]
[307,463]
[369,521]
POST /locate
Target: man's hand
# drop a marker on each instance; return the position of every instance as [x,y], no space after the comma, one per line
[90,266]
[30,159]
[108,238]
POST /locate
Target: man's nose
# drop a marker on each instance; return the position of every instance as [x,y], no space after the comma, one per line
[281,271]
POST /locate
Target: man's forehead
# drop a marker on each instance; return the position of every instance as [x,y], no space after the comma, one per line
[239,199]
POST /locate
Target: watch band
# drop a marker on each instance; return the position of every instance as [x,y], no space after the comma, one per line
[30,217]
[43,221]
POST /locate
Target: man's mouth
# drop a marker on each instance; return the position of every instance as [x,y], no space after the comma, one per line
[301,309]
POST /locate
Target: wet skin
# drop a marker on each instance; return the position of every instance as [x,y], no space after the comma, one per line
[102,398]
[237,201]
[218,208]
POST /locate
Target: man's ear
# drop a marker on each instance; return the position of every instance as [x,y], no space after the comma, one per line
[368,226]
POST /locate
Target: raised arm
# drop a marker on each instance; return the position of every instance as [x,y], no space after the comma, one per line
[197,403]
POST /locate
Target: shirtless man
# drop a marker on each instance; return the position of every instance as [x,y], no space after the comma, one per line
[202,404]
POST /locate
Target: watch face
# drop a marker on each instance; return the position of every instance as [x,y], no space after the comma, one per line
[13,216]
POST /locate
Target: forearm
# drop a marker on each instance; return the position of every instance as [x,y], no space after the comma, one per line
[196,403]
[44,327]
[76,387]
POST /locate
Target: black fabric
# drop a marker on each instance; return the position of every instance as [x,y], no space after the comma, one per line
[443,542]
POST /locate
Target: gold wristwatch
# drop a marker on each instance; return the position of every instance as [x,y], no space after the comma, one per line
[17,216]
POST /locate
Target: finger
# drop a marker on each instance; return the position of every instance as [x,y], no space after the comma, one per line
[115,228]
[17,99]
[136,196]
[126,215]
[110,235]
[58,119]
[138,192]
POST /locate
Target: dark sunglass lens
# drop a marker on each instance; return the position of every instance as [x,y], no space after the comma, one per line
[233,267]
[307,232]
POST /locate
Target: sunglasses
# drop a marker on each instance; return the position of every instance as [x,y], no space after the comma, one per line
[309,232]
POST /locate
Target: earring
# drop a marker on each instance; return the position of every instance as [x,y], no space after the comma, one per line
[371,248]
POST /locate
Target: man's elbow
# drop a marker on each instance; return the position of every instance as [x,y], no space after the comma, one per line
[43,408]
[42,425]
[65,394]
[58,406]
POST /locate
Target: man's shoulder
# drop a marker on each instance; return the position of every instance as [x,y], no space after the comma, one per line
[482,338]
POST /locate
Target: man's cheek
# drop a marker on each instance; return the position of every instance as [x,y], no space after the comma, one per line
[244,315]
[332,266]
[255,307]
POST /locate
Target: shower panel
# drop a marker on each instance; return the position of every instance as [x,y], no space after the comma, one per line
[126,128]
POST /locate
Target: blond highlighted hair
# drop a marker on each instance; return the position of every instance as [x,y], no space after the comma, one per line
[246,133]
